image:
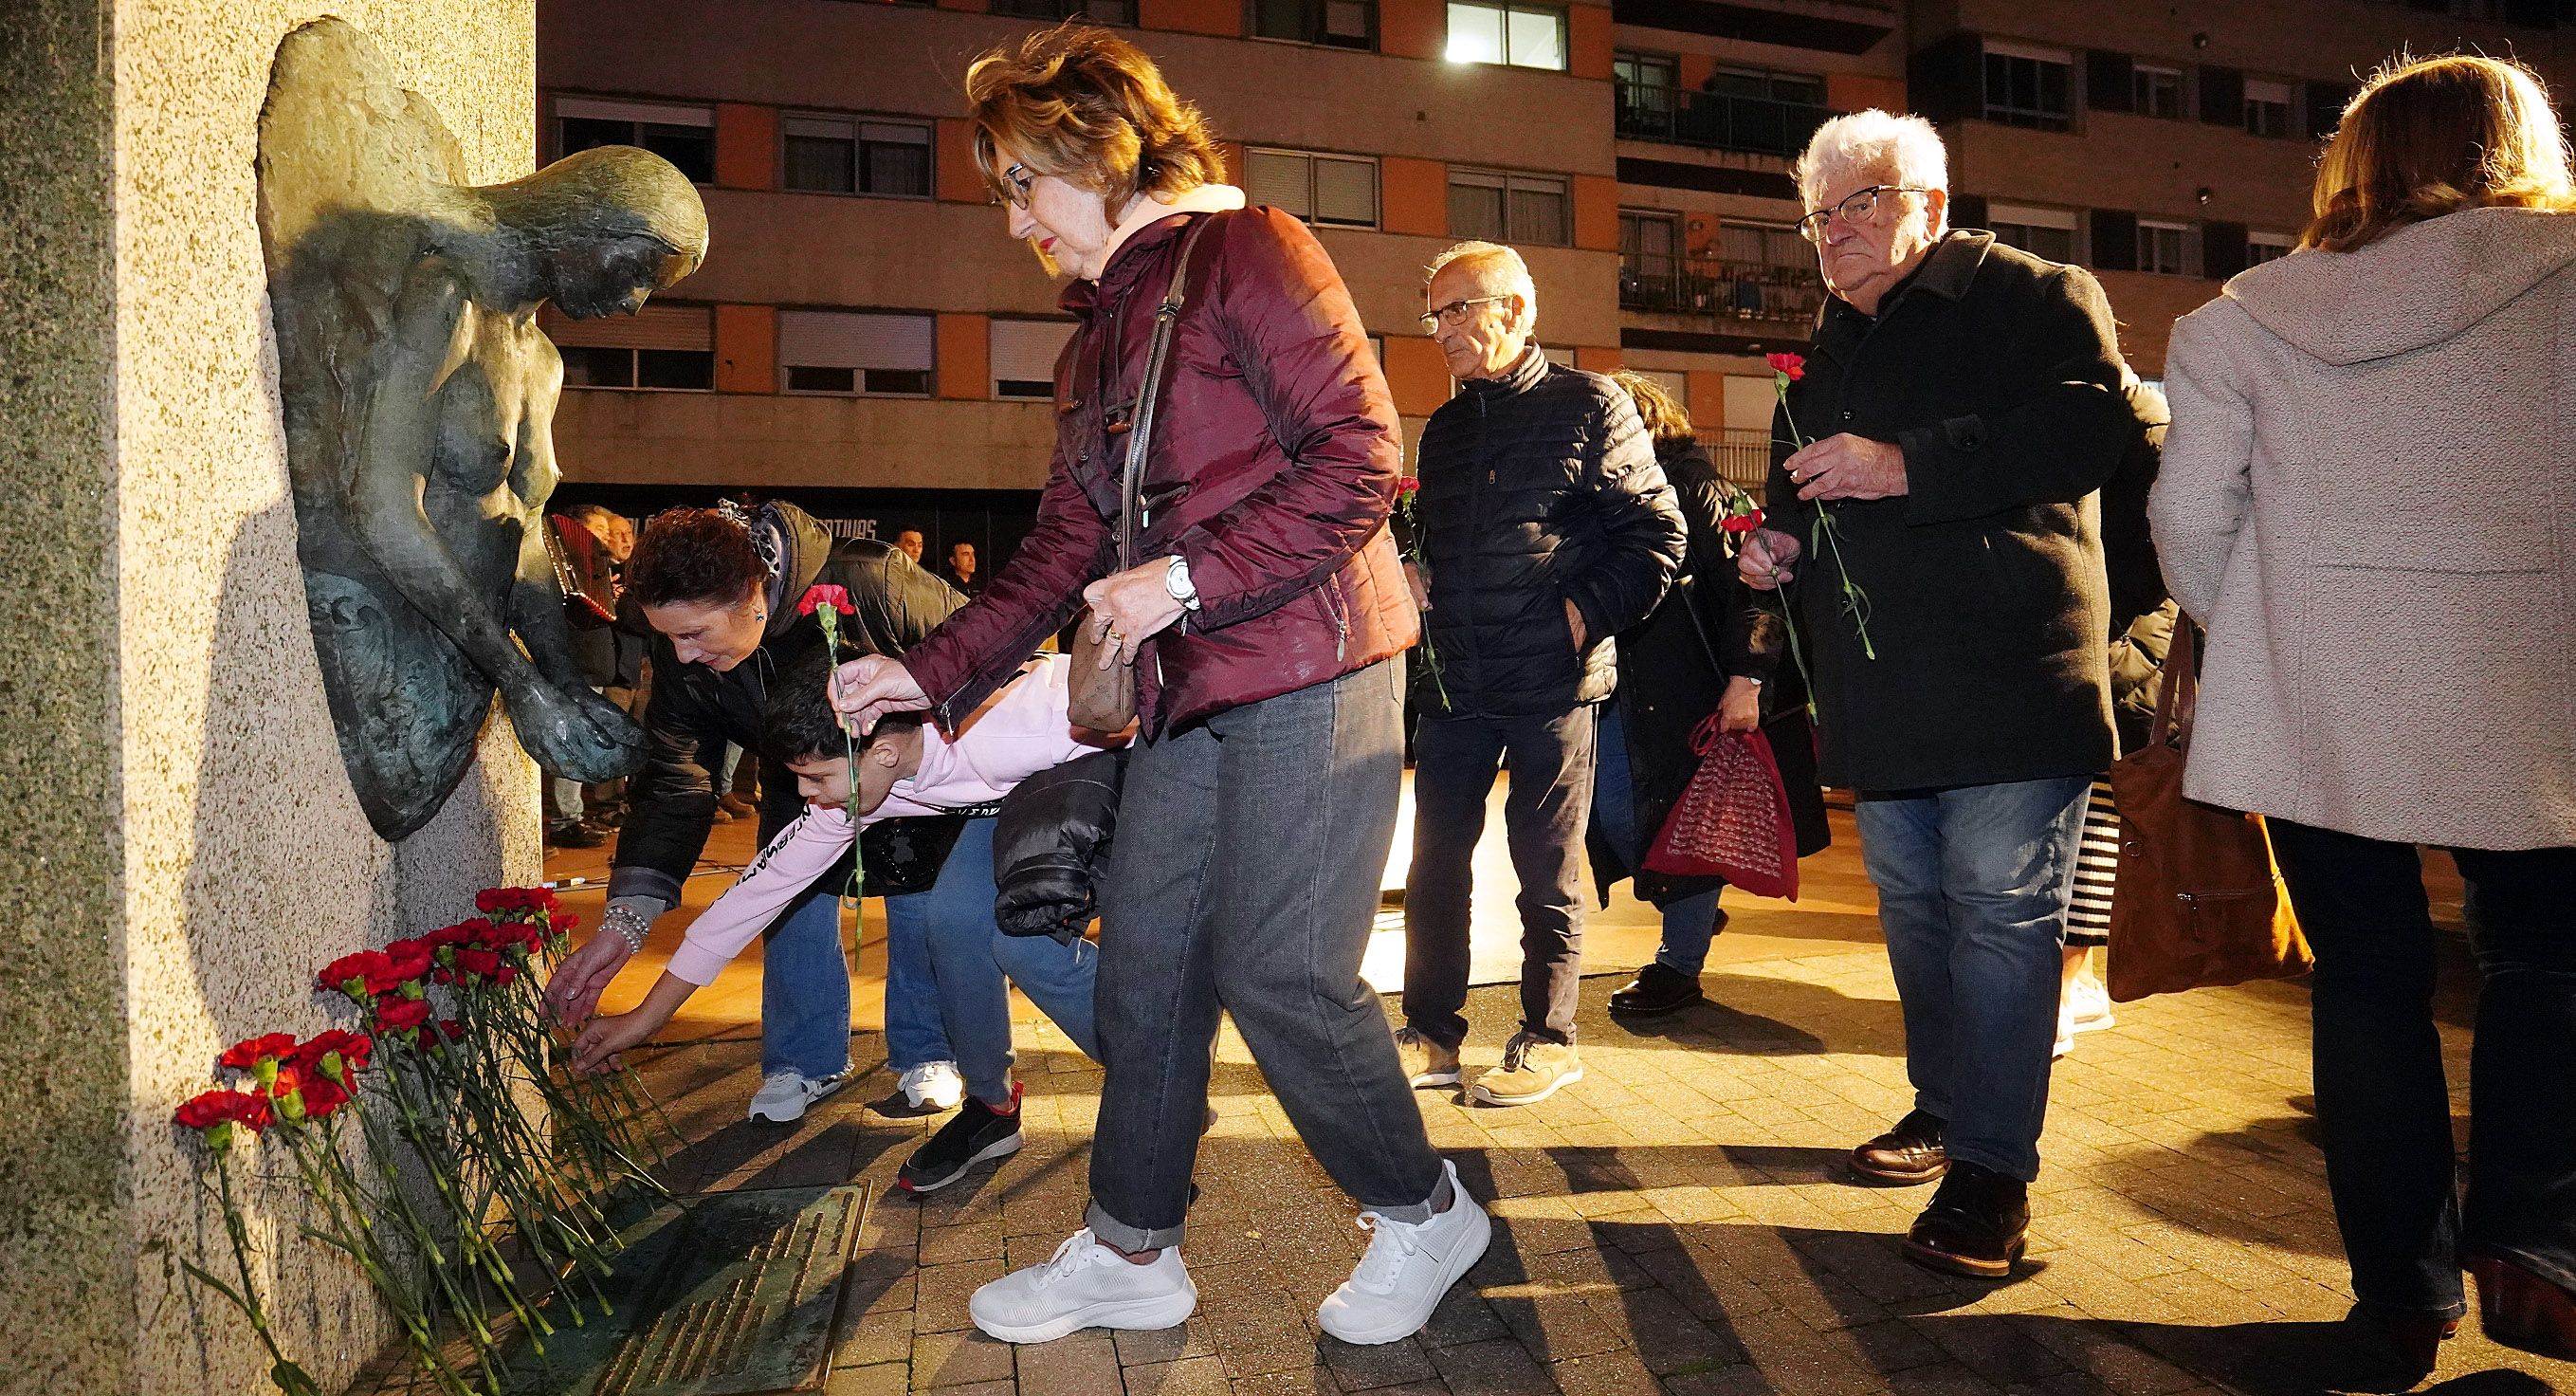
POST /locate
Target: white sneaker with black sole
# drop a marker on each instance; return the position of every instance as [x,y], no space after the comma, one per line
[784,1095]
[1085,1285]
[1408,1270]
[978,1134]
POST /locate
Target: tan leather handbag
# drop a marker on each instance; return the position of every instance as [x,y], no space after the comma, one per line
[1103,697]
[2197,902]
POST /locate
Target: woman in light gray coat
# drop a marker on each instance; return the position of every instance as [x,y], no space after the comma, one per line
[2369,497]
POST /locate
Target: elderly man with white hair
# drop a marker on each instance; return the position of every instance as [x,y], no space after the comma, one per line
[1546,527]
[1934,528]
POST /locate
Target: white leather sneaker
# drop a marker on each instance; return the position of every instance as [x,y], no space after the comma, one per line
[784,1095]
[933,1087]
[1084,1285]
[1408,1269]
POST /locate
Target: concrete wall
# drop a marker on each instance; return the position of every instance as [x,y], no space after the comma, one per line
[183,822]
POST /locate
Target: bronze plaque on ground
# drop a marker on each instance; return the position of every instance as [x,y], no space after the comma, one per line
[737,1295]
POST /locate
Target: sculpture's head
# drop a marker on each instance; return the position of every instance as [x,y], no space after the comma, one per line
[703,585]
[602,228]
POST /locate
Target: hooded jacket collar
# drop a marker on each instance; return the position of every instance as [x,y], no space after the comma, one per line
[1149,225]
[2416,287]
[803,547]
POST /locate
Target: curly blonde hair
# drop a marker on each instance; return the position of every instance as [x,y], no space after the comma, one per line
[2431,136]
[1086,106]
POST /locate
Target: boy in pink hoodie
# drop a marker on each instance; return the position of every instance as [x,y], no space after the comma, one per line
[903,770]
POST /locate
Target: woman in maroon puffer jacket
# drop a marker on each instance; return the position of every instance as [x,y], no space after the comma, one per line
[1264,620]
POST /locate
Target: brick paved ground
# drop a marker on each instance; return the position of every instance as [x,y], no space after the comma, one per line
[1677,1222]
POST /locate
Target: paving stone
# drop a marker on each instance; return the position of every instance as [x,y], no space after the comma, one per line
[1193,1376]
[1496,1368]
[959,1359]
[1084,1364]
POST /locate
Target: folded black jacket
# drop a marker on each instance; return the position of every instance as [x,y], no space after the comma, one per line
[1051,844]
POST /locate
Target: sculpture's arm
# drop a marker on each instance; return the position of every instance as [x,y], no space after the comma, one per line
[397,437]
[536,594]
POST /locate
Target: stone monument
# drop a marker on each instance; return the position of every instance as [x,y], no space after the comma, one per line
[180,843]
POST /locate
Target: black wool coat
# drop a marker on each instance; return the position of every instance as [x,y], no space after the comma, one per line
[1538,488]
[1999,376]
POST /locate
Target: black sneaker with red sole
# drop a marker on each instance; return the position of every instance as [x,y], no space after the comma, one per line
[978,1134]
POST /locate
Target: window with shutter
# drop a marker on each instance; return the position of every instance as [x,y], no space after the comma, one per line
[849,155]
[1023,354]
[1339,190]
[1337,23]
[1282,179]
[1476,206]
[1523,36]
[683,135]
[2266,247]
[848,351]
[2028,86]
[2165,248]
[663,346]
[2156,91]
[2042,232]
[2270,107]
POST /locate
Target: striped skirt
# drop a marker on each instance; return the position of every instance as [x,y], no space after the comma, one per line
[2097,866]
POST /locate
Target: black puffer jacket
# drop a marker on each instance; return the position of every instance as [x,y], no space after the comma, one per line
[1051,843]
[694,710]
[1538,488]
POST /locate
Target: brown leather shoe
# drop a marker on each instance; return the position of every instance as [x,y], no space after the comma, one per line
[1908,1154]
[1977,1224]
[2408,1340]
[2522,1310]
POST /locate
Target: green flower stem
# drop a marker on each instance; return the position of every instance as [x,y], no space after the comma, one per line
[283,1373]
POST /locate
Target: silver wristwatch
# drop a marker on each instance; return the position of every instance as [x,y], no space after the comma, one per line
[1176,580]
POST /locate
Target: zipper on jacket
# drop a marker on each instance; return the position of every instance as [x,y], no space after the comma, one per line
[1341,624]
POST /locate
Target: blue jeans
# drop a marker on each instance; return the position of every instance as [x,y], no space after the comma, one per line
[805,987]
[969,961]
[1973,883]
[915,1033]
[1689,923]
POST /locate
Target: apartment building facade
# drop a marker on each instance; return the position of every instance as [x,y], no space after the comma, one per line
[865,337]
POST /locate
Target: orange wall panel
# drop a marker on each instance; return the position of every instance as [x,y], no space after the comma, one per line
[1708,401]
[746,146]
[959,181]
[1861,91]
[1413,28]
[1697,68]
[746,349]
[1223,18]
[1596,213]
[1416,374]
[1413,196]
[1592,359]
[1588,43]
[965,357]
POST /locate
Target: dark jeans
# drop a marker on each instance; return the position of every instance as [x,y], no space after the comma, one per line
[1454,759]
[1972,889]
[2382,1101]
[1244,880]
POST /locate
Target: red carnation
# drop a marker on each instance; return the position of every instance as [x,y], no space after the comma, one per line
[476,960]
[451,1029]
[562,921]
[406,961]
[1745,522]
[354,975]
[401,1014]
[320,1096]
[218,1113]
[1790,366]
[1407,485]
[248,1053]
[353,1049]
[826,594]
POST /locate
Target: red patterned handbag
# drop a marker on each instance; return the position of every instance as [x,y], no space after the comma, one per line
[1733,819]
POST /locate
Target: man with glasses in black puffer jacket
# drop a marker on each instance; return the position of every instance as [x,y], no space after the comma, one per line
[1546,527]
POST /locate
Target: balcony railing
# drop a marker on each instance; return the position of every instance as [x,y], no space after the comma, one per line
[1716,121]
[1742,457]
[1721,290]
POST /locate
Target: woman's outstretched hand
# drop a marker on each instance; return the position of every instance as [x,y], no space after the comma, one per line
[1133,605]
[865,690]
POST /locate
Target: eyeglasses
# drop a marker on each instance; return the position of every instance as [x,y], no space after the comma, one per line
[1455,312]
[1021,182]
[1857,208]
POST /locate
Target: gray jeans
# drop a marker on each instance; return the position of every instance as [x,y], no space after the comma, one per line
[1244,880]
[1544,814]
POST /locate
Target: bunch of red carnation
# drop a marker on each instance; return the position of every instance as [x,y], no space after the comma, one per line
[482,951]
[518,903]
[291,1081]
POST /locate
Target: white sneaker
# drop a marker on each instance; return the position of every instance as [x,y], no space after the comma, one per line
[933,1087]
[1408,1269]
[2091,1002]
[1084,1285]
[783,1096]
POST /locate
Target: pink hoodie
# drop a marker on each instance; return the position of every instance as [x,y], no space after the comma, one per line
[1020,731]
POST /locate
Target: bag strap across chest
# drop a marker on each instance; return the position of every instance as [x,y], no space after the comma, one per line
[1139,427]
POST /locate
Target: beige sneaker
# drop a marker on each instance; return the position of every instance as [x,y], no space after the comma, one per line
[1426,1063]
[1532,1070]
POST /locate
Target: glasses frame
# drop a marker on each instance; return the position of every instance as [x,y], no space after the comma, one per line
[1022,185]
[1812,227]
[1455,311]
